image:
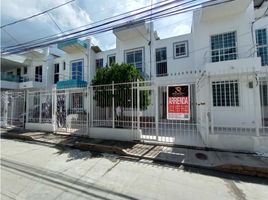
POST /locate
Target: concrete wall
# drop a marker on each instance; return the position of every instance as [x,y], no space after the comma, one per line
[202,29]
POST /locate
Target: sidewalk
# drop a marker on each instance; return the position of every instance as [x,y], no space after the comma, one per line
[241,163]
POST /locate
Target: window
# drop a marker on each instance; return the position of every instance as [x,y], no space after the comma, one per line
[38,73]
[223,47]
[56,72]
[77,70]
[161,61]
[180,49]
[135,57]
[25,70]
[99,63]
[111,59]
[225,93]
[264,94]
[262,46]
[18,72]
[64,65]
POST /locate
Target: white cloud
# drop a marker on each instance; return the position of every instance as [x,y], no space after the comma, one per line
[77,14]
[67,17]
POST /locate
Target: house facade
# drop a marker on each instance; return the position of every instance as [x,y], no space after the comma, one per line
[218,59]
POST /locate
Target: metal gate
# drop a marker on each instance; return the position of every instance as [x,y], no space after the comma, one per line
[153,119]
[70,111]
[12,109]
[141,107]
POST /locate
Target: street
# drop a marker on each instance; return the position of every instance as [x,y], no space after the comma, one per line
[38,171]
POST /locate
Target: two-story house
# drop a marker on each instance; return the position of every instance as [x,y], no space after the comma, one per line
[224,59]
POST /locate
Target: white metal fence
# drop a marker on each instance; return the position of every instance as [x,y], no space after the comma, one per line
[12,109]
[224,103]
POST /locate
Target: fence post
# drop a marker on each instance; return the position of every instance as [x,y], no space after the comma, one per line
[54,109]
[5,109]
[132,108]
[156,110]
[11,113]
[24,109]
[40,108]
[113,105]
[91,104]
[88,108]
[257,103]
[210,106]
[138,105]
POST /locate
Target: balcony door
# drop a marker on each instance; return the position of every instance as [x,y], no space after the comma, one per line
[77,70]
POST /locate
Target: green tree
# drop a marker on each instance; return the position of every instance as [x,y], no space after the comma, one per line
[123,93]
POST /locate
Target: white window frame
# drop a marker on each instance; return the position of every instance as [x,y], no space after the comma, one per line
[108,58]
[175,44]
[161,61]
[102,62]
[71,68]
[234,81]
[136,49]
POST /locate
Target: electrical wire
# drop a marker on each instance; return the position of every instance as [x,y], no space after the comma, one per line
[110,28]
[35,15]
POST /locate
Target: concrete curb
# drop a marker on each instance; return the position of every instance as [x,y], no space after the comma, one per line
[245,170]
[17,136]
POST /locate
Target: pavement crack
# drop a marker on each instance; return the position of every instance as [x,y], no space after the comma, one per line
[110,169]
[234,190]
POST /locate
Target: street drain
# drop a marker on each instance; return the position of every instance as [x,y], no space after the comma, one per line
[201,156]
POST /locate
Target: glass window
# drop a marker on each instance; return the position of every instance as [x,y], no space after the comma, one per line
[135,57]
[99,63]
[25,70]
[180,49]
[77,70]
[161,61]
[262,47]
[56,72]
[18,71]
[223,47]
[38,73]
[264,94]
[111,59]
[225,93]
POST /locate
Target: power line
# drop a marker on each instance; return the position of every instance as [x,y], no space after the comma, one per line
[35,15]
[90,24]
[146,17]
[108,28]
[100,25]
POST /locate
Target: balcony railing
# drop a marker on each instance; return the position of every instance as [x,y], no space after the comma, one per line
[9,77]
[20,79]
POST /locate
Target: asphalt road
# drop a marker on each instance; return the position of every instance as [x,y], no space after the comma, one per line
[35,171]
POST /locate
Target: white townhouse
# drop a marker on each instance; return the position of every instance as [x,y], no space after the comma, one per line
[224,59]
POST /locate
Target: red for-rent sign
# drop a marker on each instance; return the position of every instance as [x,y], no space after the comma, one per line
[178,102]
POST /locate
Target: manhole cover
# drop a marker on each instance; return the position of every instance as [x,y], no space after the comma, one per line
[201,156]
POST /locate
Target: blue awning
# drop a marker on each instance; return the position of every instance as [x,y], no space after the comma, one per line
[74,83]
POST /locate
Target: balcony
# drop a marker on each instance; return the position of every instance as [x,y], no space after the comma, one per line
[74,45]
[9,81]
[229,60]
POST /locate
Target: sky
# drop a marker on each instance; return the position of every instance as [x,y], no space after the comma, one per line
[74,15]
